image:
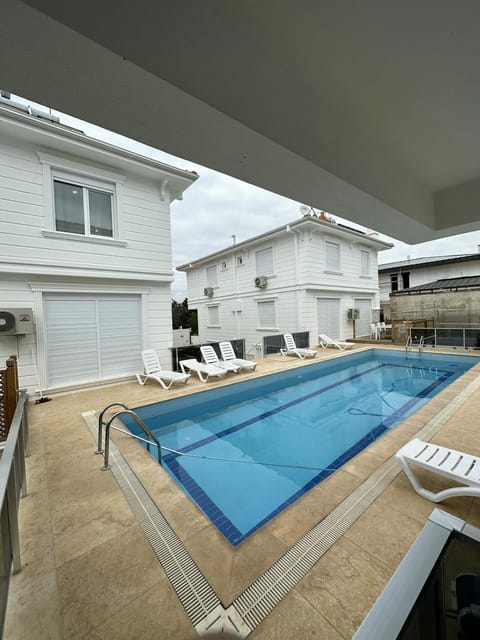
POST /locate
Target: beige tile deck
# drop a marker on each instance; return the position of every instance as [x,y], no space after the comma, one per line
[88,571]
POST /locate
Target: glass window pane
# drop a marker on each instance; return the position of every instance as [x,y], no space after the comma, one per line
[100,205]
[68,208]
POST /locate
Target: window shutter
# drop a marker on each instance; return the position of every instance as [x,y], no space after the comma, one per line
[213,316]
[365,263]
[212,276]
[266,314]
[332,256]
[264,262]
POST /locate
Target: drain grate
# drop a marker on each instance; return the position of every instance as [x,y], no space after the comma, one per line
[250,608]
[258,600]
[192,588]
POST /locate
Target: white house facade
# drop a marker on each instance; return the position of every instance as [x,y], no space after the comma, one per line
[304,276]
[405,274]
[85,253]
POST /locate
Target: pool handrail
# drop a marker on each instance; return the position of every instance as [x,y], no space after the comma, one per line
[106,451]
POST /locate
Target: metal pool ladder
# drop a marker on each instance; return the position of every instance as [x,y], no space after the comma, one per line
[152,440]
[409,345]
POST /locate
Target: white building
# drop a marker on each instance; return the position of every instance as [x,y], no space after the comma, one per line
[405,274]
[85,244]
[305,276]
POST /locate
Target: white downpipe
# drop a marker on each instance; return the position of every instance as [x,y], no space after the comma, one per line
[297,291]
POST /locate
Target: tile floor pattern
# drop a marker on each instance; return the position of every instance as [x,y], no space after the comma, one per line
[88,571]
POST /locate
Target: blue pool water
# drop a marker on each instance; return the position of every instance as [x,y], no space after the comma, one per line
[257,446]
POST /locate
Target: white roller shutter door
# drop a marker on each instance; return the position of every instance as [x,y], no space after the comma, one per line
[362,324]
[328,315]
[91,337]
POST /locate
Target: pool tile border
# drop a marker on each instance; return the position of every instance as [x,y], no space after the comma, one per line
[215,514]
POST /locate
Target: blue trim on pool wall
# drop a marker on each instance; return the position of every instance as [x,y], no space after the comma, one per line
[163,413]
[216,515]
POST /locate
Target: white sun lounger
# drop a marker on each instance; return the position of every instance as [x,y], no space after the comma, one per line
[455,465]
[204,371]
[228,354]
[325,342]
[291,348]
[153,370]
[210,357]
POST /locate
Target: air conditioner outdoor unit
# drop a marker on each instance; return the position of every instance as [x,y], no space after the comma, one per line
[15,322]
[353,314]
[261,282]
[208,291]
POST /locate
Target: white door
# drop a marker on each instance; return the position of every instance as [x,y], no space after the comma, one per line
[328,316]
[91,337]
[362,324]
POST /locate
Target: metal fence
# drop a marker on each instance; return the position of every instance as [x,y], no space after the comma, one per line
[12,486]
[464,338]
[193,351]
[273,344]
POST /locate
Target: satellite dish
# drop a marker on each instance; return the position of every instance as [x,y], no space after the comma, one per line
[304,210]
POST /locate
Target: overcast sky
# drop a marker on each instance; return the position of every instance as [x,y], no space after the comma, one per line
[217,206]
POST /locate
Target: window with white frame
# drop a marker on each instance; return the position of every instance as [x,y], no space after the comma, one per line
[214,316]
[83,206]
[239,260]
[212,276]
[365,263]
[224,265]
[266,314]
[332,256]
[264,262]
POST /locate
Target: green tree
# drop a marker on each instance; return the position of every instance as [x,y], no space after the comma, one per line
[184,317]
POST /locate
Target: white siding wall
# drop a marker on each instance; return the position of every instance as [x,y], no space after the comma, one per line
[15,291]
[453,270]
[145,221]
[299,279]
[430,273]
[139,264]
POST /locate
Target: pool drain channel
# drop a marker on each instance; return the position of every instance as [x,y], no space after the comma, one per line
[248,610]
[196,595]
[258,600]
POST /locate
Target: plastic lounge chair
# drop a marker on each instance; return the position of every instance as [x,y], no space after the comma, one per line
[291,348]
[459,467]
[203,371]
[210,357]
[153,370]
[325,342]
[228,354]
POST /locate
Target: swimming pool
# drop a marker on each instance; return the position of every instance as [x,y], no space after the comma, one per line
[247,451]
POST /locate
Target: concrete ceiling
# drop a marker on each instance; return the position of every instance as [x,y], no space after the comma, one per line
[370,109]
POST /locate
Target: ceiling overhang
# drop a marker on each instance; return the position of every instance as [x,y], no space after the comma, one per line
[368,110]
